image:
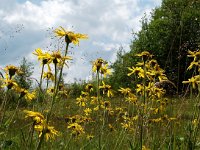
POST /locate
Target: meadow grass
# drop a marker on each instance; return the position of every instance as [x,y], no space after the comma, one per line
[159,134]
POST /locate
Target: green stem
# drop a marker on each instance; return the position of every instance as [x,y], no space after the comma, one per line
[11,119]
[98,99]
[41,140]
[41,76]
[142,114]
[98,92]
[56,85]
[55,80]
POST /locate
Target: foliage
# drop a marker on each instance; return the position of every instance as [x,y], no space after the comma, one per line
[172,30]
[26,70]
[119,76]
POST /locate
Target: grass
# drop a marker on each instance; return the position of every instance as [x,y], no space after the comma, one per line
[158,133]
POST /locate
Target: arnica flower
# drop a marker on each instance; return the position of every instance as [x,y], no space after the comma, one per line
[153,63]
[154,74]
[87,111]
[125,91]
[26,94]
[140,89]
[106,104]
[132,99]
[105,70]
[10,84]
[195,123]
[11,70]
[97,64]
[194,81]
[50,90]
[192,64]
[76,129]
[89,137]
[36,116]
[49,131]
[156,92]
[127,126]
[49,76]
[106,89]
[56,57]
[145,148]
[89,88]
[70,37]
[81,101]
[145,55]
[136,70]
[84,94]
[195,54]
[111,128]
[43,57]
[94,100]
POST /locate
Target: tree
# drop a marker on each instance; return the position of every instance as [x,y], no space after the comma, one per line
[120,68]
[26,70]
[174,28]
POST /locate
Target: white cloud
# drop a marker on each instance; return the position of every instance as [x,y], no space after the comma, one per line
[108,23]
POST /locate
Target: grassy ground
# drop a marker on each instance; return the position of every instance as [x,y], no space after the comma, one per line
[106,129]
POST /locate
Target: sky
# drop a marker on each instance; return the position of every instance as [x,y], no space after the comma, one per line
[26,25]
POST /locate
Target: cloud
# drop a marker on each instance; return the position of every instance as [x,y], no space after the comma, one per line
[109,24]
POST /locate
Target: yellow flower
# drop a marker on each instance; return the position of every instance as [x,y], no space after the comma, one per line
[87,111]
[156,120]
[56,57]
[25,93]
[127,125]
[10,84]
[105,71]
[36,116]
[153,63]
[136,70]
[125,91]
[156,73]
[43,57]
[97,64]
[81,101]
[145,148]
[132,99]
[93,100]
[145,55]
[89,137]
[84,94]
[49,76]
[193,63]
[11,70]
[89,88]
[49,131]
[106,89]
[70,37]
[195,54]
[195,123]
[50,90]
[106,104]
[76,129]
[194,80]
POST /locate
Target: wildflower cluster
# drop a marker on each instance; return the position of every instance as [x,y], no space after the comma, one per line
[55,62]
[195,80]
[40,124]
[10,83]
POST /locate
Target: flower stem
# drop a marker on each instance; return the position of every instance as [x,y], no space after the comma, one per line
[41,77]
[56,86]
